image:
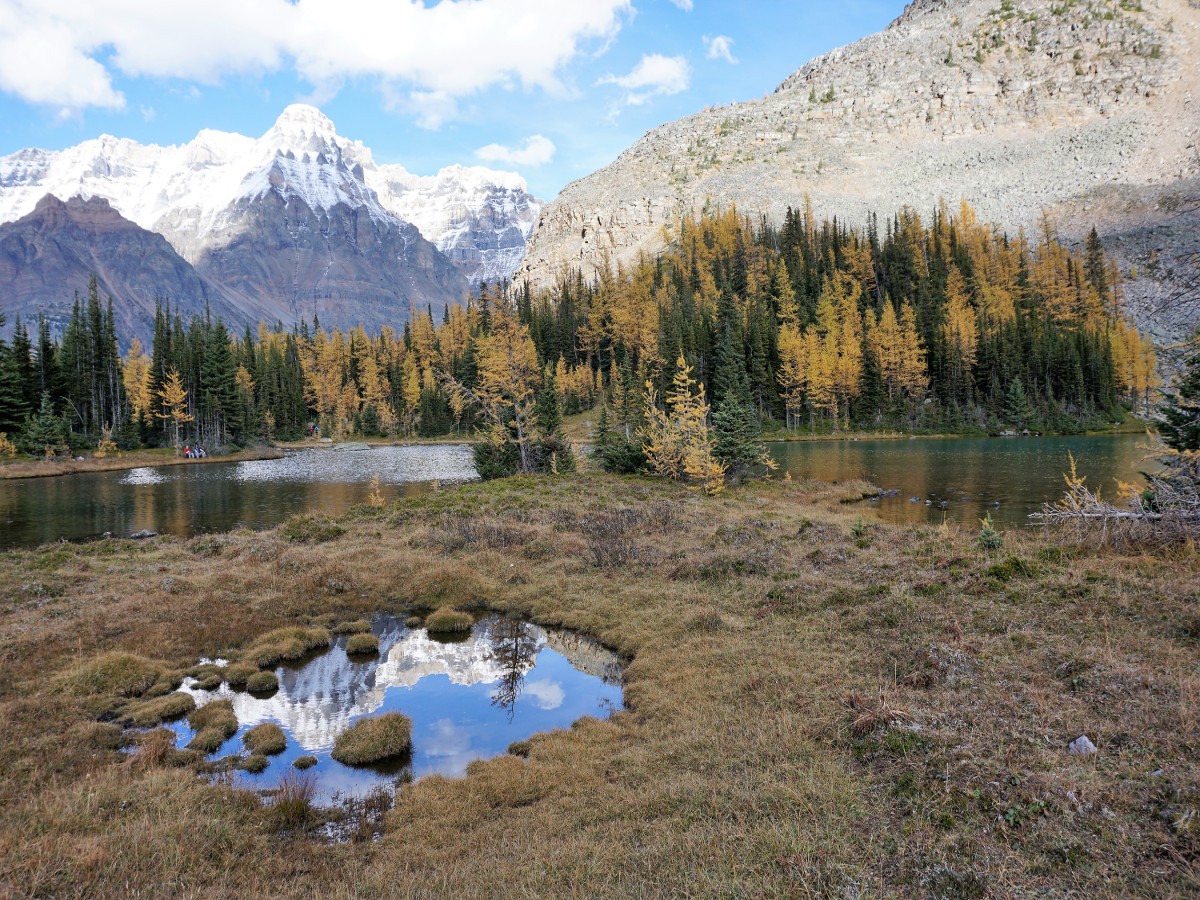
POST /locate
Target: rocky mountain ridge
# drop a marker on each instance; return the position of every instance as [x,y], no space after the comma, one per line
[1087,110]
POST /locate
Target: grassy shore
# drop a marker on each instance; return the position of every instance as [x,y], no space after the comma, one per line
[130,459]
[817,705]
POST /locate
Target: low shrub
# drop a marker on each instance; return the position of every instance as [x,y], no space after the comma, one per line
[362,643]
[290,642]
[267,739]
[446,620]
[120,674]
[370,740]
[161,709]
[312,529]
[262,682]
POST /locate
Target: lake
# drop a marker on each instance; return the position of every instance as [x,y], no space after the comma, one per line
[186,499]
[961,478]
[964,479]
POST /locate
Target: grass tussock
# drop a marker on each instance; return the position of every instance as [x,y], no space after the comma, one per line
[237,674]
[214,724]
[283,644]
[267,738]
[358,626]
[817,704]
[149,713]
[449,621]
[262,682]
[362,643]
[291,807]
[374,739]
[112,674]
[254,763]
[304,762]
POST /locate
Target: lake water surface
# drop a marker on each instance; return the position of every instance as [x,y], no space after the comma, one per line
[961,478]
[186,500]
[964,479]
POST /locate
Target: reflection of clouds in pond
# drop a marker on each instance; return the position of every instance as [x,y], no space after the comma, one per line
[546,694]
[393,465]
[143,476]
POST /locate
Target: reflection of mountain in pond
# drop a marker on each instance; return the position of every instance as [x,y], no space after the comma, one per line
[321,698]
[473,661]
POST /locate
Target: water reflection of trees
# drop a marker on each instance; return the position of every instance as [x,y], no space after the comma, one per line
[514,645]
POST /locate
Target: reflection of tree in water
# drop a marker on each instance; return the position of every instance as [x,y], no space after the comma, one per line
[513,647]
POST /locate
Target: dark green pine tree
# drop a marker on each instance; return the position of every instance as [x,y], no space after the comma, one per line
[1179,412]
[13,407]
[1018,411]
[736,444]
[46,431]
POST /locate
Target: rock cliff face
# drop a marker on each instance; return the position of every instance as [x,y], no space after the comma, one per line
[50,254]
[1088,110]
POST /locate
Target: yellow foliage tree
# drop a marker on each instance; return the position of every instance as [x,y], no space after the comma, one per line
[174,401]
[678,442]
[135,375]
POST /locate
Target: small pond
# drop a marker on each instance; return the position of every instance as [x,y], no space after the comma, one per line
[469,697]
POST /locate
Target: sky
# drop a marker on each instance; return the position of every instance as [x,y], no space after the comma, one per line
[553,89]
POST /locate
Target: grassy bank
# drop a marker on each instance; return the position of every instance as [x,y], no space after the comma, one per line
[817,705]
[129,459]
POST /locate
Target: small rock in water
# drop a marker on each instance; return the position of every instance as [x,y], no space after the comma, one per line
[1082,746]
[143,534]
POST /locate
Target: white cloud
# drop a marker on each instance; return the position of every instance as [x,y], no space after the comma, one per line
[685,5]
[546,694]
[66,52]
[719,47]
[535,150]
[653,76]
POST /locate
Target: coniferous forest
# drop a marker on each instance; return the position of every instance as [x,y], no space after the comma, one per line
[943,324]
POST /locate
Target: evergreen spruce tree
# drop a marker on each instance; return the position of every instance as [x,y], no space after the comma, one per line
[46,432]
[1179,412]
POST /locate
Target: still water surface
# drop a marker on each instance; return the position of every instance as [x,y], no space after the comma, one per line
[186,500]
[962,478]
[468,699]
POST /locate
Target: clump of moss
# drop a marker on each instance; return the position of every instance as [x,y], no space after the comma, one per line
[447,620]
[290,642]
[362,643]
[120,674]
[149,713]
[267,739]
[370,740]
[215,723]
[262,682]
[254,763]
[238,673]
[358,626]
[304,762]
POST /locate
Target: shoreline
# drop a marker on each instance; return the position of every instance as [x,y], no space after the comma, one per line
[130,459]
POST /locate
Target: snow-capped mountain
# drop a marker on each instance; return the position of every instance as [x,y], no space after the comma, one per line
[478,217]
[298,222]
[191,193]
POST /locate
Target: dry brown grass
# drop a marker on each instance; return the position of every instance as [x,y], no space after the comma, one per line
[373,739]
[284,644]
[362,643]
[267,739]
[759,631]
[448,621]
